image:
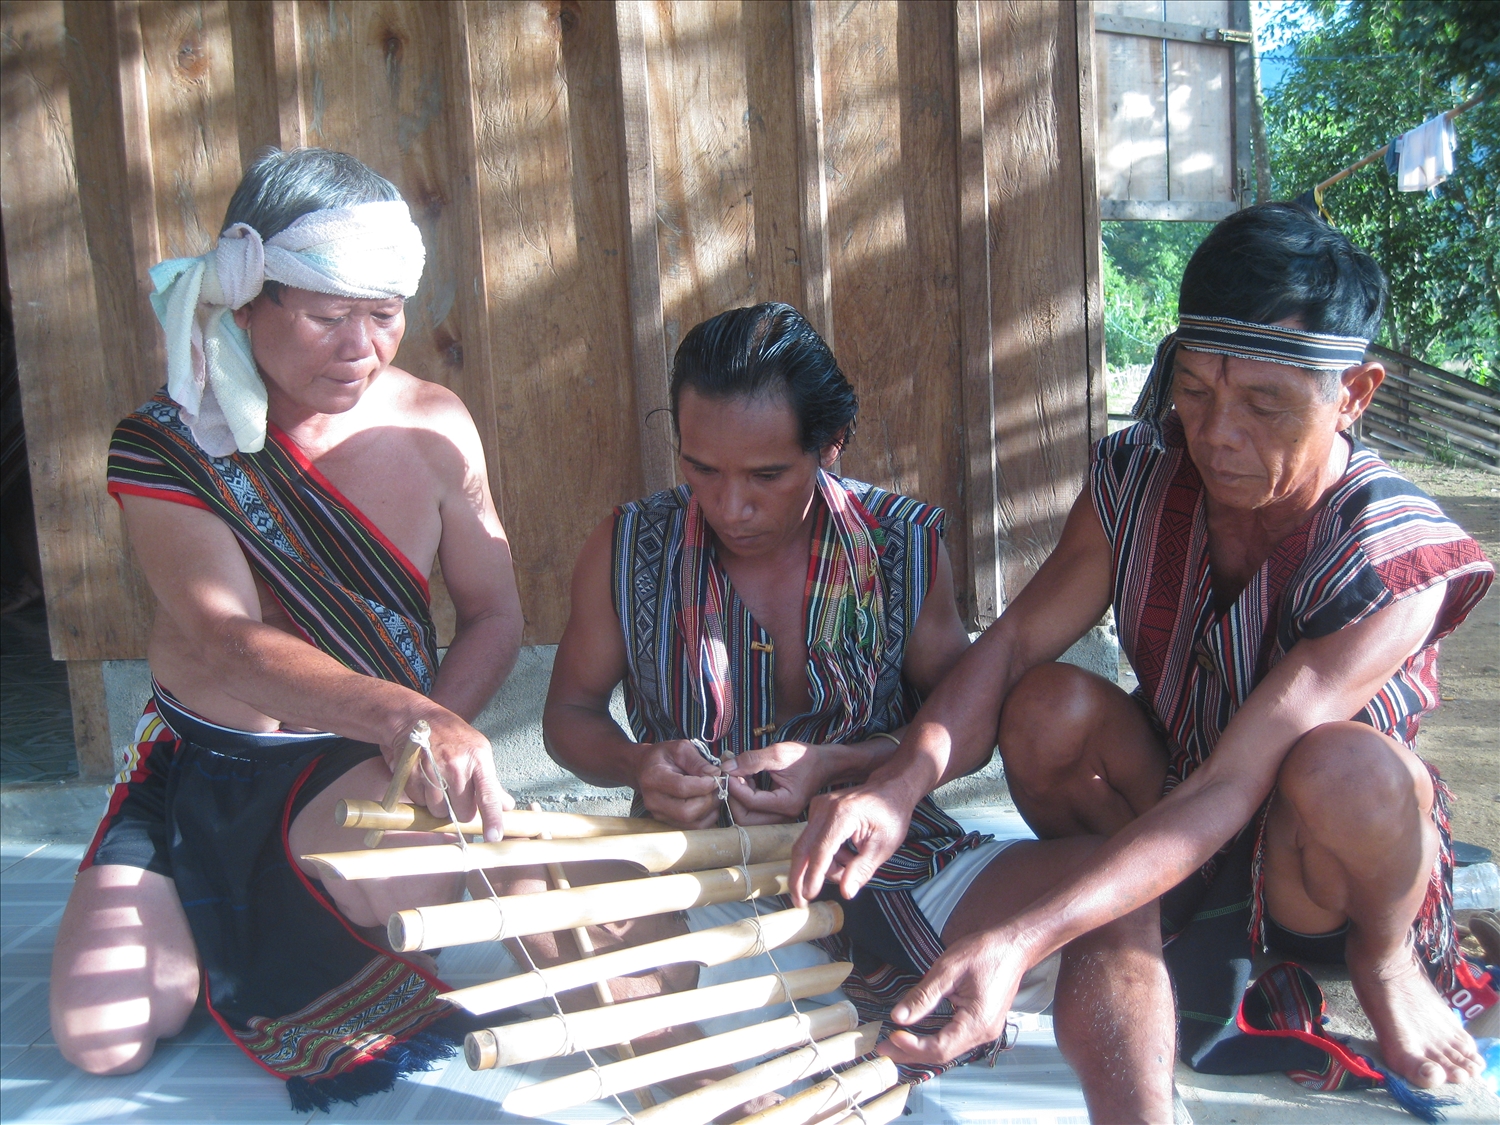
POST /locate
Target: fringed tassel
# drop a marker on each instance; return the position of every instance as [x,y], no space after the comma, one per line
[423,1051]
[1419,1103]
[1156,395]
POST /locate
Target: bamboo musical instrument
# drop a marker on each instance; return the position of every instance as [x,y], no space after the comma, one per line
[552,1036]
[351,813]
[829,1097]
[706,947]
[882,1111]
[405,760]
[656,852]
[463,923]
[675,1062]
[700,1106]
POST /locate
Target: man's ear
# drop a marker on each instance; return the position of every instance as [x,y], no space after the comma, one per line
[1357,387]
[242,315]
[829,454]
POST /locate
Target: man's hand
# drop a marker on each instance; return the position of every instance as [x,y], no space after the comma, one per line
[796,772]
[979,975]
[465,761]
[850,833]
[677,785]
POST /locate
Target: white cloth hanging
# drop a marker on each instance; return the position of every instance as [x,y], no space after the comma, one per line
[1427,154]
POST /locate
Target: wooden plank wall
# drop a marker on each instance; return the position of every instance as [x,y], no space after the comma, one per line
[592,179]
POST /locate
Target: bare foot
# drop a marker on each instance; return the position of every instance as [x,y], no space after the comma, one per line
[1420,1037]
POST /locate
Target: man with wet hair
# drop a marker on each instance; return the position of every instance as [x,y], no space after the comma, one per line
[778,625]
[1280,592]
[287,494]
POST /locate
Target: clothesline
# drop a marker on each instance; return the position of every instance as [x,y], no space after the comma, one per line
[1381,151]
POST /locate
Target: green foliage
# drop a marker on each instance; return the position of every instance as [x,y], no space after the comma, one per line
[1142,265]
[1369,71]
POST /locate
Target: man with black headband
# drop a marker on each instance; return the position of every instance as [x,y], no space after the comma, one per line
[1280,592]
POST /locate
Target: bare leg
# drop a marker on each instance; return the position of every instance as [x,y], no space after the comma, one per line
[124,970]
[1113,1010]
[1350,837]
[1080,758]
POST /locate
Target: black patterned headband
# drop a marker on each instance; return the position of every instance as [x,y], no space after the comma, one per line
[1243,339]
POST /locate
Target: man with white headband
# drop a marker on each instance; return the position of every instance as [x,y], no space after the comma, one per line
[287,494]
[1280,592]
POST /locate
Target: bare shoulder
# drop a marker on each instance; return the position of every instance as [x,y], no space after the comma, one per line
[435,419]
[591,583]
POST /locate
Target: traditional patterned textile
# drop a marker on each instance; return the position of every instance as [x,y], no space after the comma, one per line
[285,975]
[1376,539]
[339,579]
[701,668]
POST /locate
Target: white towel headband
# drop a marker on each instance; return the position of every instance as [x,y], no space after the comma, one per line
[368,251]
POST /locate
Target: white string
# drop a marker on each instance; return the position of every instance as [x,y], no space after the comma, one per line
[851,1100]
[463,845]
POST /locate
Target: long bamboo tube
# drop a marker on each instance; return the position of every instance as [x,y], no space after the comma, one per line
[717,946]
[675,1062]
[405,760]
[519,822]
[882,1111]
[463,923]
[700,1106]
[829,1097]
[656,852]
[553,1036]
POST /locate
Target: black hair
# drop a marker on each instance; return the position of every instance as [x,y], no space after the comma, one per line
[769,349]
[1279,260]
[280,187]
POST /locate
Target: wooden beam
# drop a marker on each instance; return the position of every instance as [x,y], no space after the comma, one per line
[1088,134]
[977,358]
[1161,29]
[648,330]
[817,274]
[96,753]
[1176,210]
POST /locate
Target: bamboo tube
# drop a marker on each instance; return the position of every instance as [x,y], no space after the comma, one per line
[706,947]
[553,1036]
[675,1062]
[831,1096]
[519,822]
[700,1106]
[656,852]
[463,923]
[400,775]
[882,1111]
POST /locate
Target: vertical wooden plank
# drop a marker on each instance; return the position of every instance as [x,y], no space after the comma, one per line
[891,150]
[1245,81]
[1038,308]
[647,327]
[771,84]
[286,54]
[812,159]
[550,184]
[1132,116]
[1200,150]
[700,146]
[257,96]
[65,385]
[195,147]
[91,741]
[984,599]
[1092,231]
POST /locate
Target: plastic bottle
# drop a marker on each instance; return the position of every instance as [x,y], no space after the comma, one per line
[1476,887]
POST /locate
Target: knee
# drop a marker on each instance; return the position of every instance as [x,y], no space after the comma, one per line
[1342,774]
[1043,723]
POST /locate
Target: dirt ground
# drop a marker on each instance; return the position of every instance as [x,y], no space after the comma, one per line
[1462,738]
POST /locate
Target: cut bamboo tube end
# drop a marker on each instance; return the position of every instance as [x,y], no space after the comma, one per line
[353,813]
[400,774]
[882,1111]
[656,852]
[552,1036]
[831,1096]
[464,923]
[706,947]
[700,1106]
[676,1062]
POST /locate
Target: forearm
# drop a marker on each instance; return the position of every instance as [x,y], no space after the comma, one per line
[288,679]
[478,661]
[852,763]
[589,743]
